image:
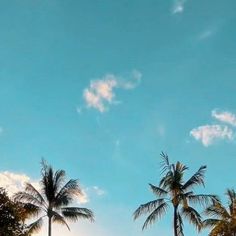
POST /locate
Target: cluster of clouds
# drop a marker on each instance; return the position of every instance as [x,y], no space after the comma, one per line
[100,94]
[14,182]
[222,130]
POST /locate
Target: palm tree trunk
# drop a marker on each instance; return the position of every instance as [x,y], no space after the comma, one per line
[49,226]
[175,221]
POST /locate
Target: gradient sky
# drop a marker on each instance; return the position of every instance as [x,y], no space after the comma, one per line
[99,88]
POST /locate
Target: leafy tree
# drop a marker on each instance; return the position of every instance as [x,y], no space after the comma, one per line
[174,191]
[223,221]
[11,216]
[53,200]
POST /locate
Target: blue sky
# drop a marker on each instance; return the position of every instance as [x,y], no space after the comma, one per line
[100,88]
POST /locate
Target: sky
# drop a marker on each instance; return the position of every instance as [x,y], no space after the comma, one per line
[101,88]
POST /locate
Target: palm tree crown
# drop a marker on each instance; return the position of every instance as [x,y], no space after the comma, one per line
[53,200]
[173,190]
[223,221]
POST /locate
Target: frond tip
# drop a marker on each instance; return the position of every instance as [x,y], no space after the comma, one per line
[147,207]
[35,226]
[156,214]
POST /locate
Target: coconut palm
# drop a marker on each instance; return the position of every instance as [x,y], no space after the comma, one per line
[174,191]
[223,221]
[53,200]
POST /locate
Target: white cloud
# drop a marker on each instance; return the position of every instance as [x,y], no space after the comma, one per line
[224,116]
[208,134]
[14,183]
[82,199]
[100,93]
[178,6]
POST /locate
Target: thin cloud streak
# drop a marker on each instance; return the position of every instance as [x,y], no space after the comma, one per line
[206,34]
[224,116]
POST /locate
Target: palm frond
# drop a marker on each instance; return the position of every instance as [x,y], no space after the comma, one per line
[221,229]
[231,195]
[35,226]
[167,181]
[232,201]
[67,193]
[165,164]
[156,214]
[148,207]
[29,188]
[180,231]
[217,210]
[210,223]
[58,179]
[75,213]
[178,172]
[47,182]
[196,179]
[159,192]
[56,217]
[203,199]
[25,197]
[193,216]
[179,167]
[31,210]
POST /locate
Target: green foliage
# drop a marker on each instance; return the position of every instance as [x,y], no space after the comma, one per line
[11,216]
[222,219]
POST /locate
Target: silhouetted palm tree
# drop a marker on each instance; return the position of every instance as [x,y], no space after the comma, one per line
[223,221]
[53,200]
[173,190]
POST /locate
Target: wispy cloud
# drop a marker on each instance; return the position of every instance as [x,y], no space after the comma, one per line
[101,92]
[224,116]
[98,191]
[161,130]
[178,6]
[94,191]
[205,34]
[208,134]
[132,82]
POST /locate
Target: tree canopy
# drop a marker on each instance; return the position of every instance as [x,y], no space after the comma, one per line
[12,216]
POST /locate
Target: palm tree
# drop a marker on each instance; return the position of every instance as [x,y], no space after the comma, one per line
[223,221]
[53,200]
[173,190]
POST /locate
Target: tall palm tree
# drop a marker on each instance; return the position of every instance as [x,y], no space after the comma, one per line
[53,200]
[223,221]
[173,190]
